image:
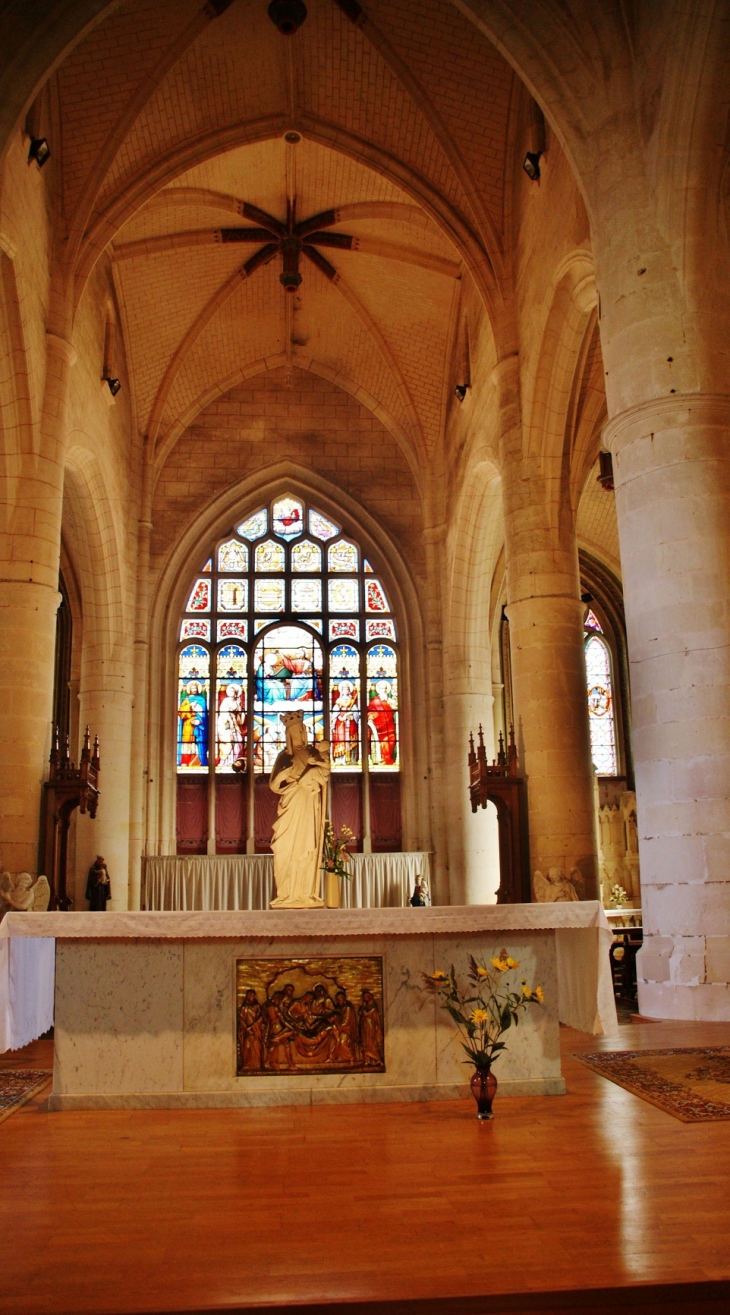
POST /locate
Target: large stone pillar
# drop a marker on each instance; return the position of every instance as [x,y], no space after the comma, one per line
[671,462]
[546,639]
[29,600]
[105,700]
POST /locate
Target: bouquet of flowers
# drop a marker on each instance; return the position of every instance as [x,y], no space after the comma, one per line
[335,854]
[618,896]
[487,1007]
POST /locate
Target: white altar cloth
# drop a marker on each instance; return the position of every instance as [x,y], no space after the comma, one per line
[246,881]
[582,934]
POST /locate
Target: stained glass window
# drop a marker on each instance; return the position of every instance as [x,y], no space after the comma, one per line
[320,527]
[382,687]
[277,621]
[230,729]
[306,556]
[288,518]
[192,709]
[287,676]
[342,556]
[233,556]
[270,556]
[345,706]
[601,715]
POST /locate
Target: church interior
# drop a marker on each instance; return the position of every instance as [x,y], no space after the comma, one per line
[364,370]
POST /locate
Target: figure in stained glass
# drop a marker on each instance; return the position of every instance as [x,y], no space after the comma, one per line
[288,676]
[600,705]
[230,752]
[288,518]
[192,735]
[382,706]
[345,706]
[255,526]
[233,556]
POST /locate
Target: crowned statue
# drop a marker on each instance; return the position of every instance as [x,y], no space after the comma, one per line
[299,777]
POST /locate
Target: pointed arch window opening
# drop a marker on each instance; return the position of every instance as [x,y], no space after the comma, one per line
[281,618]
[600,695]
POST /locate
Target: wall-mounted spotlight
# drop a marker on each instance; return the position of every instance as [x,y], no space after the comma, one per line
[39,151]
[287,15]
[605,474]
[114,385]
[461,391]
[531,165]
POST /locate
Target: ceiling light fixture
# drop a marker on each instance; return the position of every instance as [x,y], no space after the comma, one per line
[39,151]
[605,474]
[531,165]
[287,15]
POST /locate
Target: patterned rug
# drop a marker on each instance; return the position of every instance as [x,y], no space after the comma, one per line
[20,1085]
[691,1082]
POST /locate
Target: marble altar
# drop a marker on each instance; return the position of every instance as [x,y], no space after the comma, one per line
[144,1002]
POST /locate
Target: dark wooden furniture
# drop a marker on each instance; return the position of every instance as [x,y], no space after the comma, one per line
[499,782]
[68,787]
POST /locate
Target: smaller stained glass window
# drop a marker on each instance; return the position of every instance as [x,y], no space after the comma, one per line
[367,568]
[342,556]
[199,600]
[343,595]
[192,709]
[208,565]
[255,526]
[382,690]
[345,707]
[233,595]
[232,630]
[259,625]
[345,630]
[306,556]
[592,623]
[288,518]
[233,556]
[230,716]
[379,630]
[600,706]
[269,596]
[306,595]
[270,556]
[375,600]
[320,527]
[315,622]
[195,628]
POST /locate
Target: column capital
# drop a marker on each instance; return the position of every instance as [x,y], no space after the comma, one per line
[659,413]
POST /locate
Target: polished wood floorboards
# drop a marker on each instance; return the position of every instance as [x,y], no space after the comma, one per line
[417,1205]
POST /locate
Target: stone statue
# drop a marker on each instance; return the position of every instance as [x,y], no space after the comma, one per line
[98,886]
[556,888]
[299,776]
[22,895]
[420,897]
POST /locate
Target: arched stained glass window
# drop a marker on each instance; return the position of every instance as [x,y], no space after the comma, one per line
[601,710]
[287,614]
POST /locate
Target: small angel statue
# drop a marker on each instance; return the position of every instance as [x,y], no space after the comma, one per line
[556,888]
[22,895]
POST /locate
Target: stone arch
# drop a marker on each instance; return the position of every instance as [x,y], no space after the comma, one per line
[214,520]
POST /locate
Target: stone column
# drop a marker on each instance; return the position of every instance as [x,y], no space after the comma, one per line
[671,461]
[546,638]
[106,707]
[29,600]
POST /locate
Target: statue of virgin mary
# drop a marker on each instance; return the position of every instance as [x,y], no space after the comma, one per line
[299,777]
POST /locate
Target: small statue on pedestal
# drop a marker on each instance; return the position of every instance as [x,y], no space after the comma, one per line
[419,899]
[299,777]
[98,886]
[556,888]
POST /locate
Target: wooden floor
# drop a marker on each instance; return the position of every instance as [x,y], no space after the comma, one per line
[372,1208]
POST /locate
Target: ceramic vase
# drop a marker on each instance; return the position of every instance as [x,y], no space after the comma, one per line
[483,1088]
[332,896]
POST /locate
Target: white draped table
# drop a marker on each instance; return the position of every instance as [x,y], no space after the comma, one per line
[145,1002]
[246,881]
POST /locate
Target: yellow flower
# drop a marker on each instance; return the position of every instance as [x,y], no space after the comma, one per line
[439,976]
[540,994]
[499,964]
[479,1016]
[526,991]
[482,972]
[512,963]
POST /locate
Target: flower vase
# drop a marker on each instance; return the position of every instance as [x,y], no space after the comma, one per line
[483,1086]
[332,897]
